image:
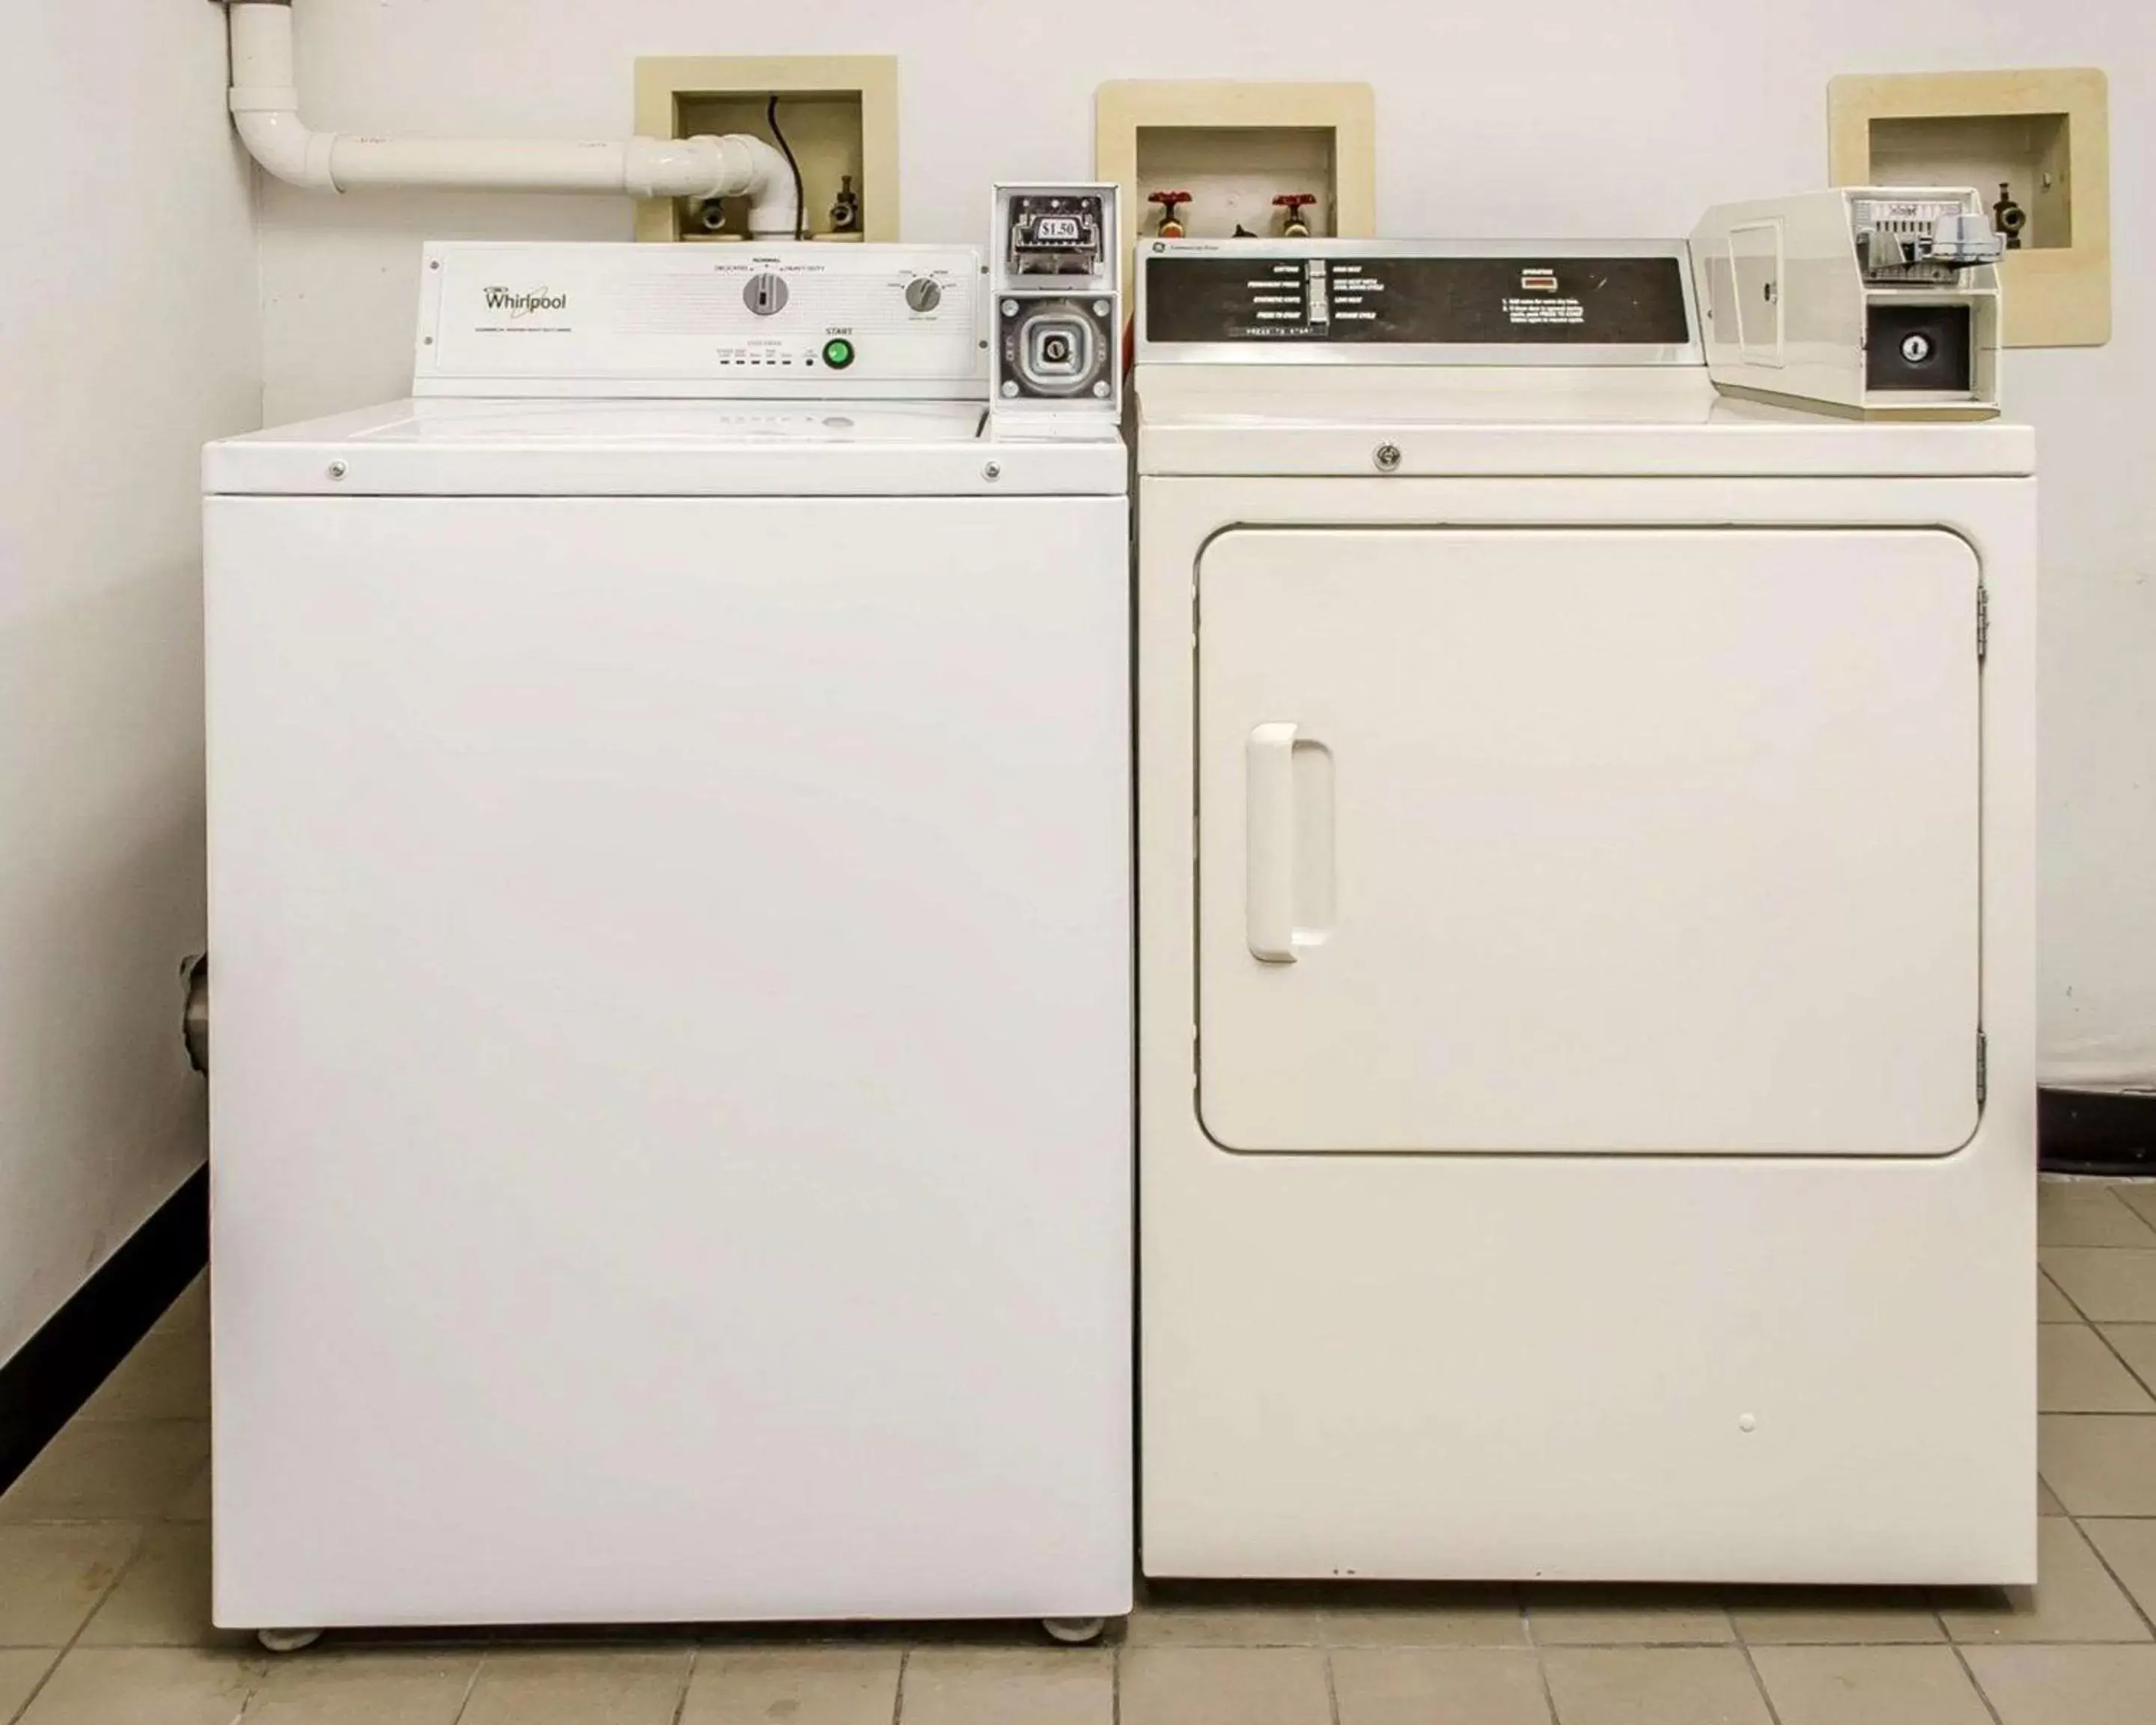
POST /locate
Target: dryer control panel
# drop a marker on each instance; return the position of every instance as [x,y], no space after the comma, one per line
[1367,302]
[748,320]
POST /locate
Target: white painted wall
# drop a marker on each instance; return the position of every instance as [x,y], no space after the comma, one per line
[129,333]
[1571,117]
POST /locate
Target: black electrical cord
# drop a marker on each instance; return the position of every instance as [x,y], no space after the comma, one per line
[800,199]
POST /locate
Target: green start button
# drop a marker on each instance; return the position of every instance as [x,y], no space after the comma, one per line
[838,353]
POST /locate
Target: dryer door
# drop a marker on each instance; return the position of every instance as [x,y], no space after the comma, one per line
[1623,840]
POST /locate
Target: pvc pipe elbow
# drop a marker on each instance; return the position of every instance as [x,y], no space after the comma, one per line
[774,212]
[733,166]
[264,97]
[278,139]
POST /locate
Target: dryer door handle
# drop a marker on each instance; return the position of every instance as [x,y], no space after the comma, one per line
[1268,896]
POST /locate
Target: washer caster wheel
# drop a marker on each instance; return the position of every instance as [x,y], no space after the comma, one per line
[287,1641]
[1074,1631]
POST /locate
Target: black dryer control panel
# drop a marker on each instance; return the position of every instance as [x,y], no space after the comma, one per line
[1222,294]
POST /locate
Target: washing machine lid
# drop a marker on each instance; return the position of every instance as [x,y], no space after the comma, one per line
[1457,421]
[636,448]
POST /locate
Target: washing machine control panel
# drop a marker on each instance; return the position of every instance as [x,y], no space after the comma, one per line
[1376,301]
[714,319]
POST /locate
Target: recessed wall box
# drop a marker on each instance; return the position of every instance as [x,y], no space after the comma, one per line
[1879,301]
[1055,324]
[1260,158]
[2034,144]
[838,114]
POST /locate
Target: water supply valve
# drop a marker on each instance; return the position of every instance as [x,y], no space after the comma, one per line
[1297,227]
[846,207]
[1171,204]
[2008,216]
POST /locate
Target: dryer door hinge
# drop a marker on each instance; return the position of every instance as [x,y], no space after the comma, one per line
[1982,623]
[1982,1052]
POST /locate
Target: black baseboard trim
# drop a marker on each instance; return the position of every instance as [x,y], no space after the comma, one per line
[55,1371]
[2096,1131]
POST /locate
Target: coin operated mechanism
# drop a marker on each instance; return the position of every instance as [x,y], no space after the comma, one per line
[1056,300]
[1878,301]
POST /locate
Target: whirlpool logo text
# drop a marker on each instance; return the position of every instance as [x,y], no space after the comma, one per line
[524,305]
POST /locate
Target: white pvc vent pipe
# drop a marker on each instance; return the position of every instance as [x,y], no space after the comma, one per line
[265,109]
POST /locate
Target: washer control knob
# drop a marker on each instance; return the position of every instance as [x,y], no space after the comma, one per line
[923,294]
[765,292]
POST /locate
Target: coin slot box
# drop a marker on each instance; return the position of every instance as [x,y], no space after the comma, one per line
[1055,299]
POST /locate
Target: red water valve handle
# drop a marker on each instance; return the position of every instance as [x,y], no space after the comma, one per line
[1171,224]
[1294,225]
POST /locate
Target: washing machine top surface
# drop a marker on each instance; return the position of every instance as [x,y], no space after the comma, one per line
[1468,357]
[471,447]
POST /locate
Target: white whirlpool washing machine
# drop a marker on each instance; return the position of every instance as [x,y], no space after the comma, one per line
[1586,1094]
[669,908]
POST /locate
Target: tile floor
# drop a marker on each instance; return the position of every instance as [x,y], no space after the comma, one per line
[104,1600]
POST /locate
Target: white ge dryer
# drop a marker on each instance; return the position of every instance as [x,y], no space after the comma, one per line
[670,903]
[1586,1096]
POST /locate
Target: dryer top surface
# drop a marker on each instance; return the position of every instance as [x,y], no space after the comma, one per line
[1456,421]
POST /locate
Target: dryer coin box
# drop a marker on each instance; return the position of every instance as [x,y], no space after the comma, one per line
[1877,300]
[1056,322]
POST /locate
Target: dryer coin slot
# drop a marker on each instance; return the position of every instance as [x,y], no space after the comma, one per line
[1055,349]
[1055,234]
